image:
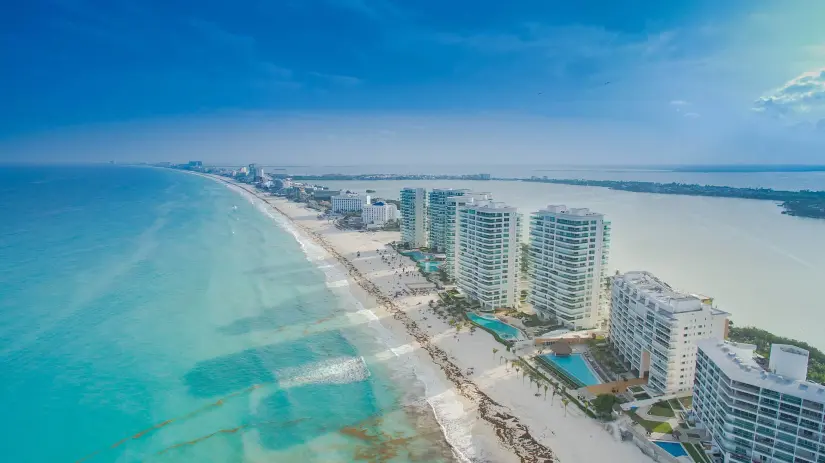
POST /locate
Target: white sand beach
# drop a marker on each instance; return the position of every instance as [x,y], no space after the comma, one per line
[502,418]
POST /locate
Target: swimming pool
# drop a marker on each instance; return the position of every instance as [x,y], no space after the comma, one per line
[507,332]
[575,366]
[416,255]
[430,266]
[674,448]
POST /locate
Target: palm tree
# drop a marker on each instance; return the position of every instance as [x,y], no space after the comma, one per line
[565,401]
[517,367]
[538,384]
[555,390]
[545,391]
[501,358]
[495,351]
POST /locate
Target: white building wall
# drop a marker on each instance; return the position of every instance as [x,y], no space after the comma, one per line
[754,415]
[568,260]
[488,253]
[451,237]
[655,329]
[438,218]
[349,203]
[413,217]
[378,214]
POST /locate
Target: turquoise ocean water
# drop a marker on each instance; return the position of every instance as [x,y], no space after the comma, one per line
[150,315]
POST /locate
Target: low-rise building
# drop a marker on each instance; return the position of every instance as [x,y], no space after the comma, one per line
[349,202]
[759,415]
[655,328]
[324,195]
[378,213]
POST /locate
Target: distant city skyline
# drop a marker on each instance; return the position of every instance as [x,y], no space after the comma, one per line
[373,81]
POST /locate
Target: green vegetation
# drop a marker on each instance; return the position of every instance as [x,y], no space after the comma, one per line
[652,426]
[763,340]
[642,396]
[662,409]
[805,203]
[605,357]
[525,261]
[636,389]
[603,404]
[675,404]
[583,406]
[687,402]
[696,452]
[533,320]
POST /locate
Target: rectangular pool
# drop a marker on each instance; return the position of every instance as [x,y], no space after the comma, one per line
[674,448]
[576,366]
[430,266]
[416,255]
[505,331]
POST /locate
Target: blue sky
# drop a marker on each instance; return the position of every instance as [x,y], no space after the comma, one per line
[356,81]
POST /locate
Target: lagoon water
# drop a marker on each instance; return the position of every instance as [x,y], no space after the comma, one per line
[143,317]
[764,267]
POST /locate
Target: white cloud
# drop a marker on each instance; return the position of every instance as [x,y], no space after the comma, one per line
[802,95]
[679,103]
[691,115]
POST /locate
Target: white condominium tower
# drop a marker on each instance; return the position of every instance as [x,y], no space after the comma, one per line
[488,237]
[451,246]
[758,415]
[655,328]
[437,216]
[413,217]
[568,260]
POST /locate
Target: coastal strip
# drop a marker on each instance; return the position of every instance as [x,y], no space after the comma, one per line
[803,203]
[513,434]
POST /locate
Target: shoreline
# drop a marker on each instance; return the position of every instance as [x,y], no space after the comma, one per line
[530,427]
[506,427]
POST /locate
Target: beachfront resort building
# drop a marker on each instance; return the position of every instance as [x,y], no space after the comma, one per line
[755,414]
[378,213]
[654,329]
[413,217]
[349,202]
[437,215]
[451,246]
[488,253]
[568,258]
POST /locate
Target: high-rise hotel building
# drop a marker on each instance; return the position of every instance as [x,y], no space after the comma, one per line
[568,259]
[758,414]
[451,245]
[414,216]
[655,328]
[438,216]
[488,253]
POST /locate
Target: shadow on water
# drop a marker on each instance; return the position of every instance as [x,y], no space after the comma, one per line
[228,373]
[276,319]
[324,408]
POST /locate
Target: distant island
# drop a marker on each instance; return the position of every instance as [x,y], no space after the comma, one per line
[804,203]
